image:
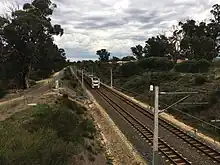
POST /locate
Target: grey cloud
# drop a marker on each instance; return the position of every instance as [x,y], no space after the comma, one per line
[147,26]
[81,19]
[127,36]
[135,11]
[94,18]
[96,25]
[138,37]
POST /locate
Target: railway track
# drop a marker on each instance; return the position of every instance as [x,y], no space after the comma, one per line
[147,134]
[199,145]
[173,156]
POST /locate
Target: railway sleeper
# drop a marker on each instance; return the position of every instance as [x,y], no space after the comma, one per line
[164,149]
[172,156]
[168,152]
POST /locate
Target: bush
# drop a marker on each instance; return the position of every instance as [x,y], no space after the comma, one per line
[136,83]
[216,64]
[3,92]
[192,66]
[155,64]
[199,80]
[158,77]
[61,119]
[17,146]
[47,135]
[188,66]
[129,69]
[203,65]
[32,82]
[67,75]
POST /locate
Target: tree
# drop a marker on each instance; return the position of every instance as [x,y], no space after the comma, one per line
[115,59]
[28,35]
[197,42]
[138,51]
[214,26]
[27,43]
[216,13]
[157,46]
[103,55]
[128,58]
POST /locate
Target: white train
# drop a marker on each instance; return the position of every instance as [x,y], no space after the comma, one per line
[93,81]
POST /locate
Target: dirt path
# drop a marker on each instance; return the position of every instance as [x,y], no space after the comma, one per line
[11,106]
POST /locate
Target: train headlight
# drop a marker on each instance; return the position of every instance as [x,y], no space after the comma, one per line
[151,88]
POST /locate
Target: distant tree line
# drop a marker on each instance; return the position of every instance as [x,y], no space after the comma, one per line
[199,42]
[190,40]
[27,50]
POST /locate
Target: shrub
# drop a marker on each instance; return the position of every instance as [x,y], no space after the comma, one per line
[3,92]
[129,69]
[199,80]
[158,77]
[216,64]
[17,146]
[136,83]
[212,98]
[203,65]
[155,64]
[188,66]
[32,82]
[67,74]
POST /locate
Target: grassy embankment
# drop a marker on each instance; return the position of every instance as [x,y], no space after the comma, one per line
[57,134]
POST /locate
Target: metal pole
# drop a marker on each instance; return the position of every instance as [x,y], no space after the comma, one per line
[82,76]
[111,77]
[155,140]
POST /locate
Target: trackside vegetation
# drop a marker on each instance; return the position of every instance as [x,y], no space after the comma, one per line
[48,135]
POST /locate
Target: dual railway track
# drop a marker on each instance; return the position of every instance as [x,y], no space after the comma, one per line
[173,156]
[199,145]
[169,152]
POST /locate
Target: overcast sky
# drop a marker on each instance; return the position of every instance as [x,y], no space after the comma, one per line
[117,24]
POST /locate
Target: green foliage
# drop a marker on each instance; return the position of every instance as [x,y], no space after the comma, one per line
[64,120]
[3,92]
[212,98]
[115,59]
[42,147]
[45,135]
[199,80]
[128,58]
[193,66]
[103,55]
[27,43]
[137,83]
[129,69]
[67,75]
[196,40]
[188,66]
[71,105]
[138,51]
[157,46]
[155,64]
[203,65]
[216,64]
